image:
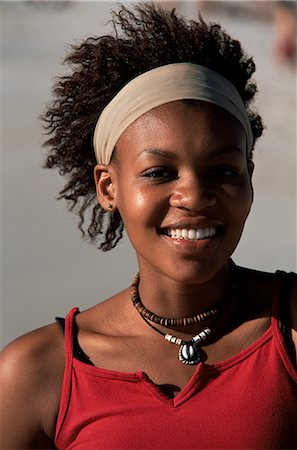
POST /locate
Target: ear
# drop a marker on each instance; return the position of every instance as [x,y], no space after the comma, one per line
[103,175]
[251,167]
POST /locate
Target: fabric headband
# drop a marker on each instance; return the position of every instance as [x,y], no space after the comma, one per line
[163,85]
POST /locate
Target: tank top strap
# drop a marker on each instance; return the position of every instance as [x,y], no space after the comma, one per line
[66,386]
[281,318]
[69,335]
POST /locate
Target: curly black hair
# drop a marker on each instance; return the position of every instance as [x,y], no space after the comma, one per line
[144,37]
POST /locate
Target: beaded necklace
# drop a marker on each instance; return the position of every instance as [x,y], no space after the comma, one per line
[189,352]
[167,322]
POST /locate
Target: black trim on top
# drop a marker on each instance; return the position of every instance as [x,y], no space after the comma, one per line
[78,353]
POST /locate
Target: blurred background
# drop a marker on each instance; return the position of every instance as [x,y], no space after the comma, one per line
[46,268]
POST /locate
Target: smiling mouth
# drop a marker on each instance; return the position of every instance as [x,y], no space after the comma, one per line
[191,234]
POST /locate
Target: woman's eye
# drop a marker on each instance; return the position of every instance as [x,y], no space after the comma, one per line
[159,173]
[225,172]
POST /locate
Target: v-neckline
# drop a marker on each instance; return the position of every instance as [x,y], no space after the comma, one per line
[202,374]
[198,379]
[190,388]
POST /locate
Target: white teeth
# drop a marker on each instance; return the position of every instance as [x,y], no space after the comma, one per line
[178,233]
[200,234]
[192,234]
[184,233]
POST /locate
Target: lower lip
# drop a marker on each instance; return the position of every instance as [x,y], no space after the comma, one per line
[191,246]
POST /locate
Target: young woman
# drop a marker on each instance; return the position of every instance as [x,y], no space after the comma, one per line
[154,130]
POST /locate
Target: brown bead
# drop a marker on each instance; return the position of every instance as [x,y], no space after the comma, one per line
[167,322]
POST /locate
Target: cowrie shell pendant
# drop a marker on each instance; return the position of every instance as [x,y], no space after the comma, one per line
[189,353]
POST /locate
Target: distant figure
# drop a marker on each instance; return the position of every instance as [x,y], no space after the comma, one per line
[285,25]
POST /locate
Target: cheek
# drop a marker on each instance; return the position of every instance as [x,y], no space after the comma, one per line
[140,207]
[237,201]
[244,202]
[139,200]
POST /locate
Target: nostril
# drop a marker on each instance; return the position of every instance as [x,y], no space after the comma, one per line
[176,201]
[193,199]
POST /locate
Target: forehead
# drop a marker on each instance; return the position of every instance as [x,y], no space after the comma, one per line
[183,123]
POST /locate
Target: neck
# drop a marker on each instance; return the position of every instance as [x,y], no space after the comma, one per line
[171,298]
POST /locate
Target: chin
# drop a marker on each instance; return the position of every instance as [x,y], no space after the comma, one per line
[194,272]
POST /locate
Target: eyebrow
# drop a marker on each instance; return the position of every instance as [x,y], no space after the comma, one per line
[158,152]
[173,156]
[227,149]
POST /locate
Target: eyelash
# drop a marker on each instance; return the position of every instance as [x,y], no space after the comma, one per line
[220,170]
[217,175]
[158,173]
[225,172]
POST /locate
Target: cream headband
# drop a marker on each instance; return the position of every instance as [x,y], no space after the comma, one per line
[163,85]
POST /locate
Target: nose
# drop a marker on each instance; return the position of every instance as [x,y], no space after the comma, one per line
[192,194]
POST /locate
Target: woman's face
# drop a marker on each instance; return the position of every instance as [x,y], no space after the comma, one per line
[183,189]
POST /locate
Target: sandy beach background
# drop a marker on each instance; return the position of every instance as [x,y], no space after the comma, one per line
[46,268]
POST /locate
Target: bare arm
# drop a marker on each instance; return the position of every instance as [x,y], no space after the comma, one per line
[30,382]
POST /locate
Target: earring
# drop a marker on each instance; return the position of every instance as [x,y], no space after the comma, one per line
[109,206]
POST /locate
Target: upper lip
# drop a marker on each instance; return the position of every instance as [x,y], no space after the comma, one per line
[194,224]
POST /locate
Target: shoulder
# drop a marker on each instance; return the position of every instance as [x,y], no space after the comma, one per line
[264,287]
[260,284]
[292,281]
[257,288]
[31,354]
[31,373]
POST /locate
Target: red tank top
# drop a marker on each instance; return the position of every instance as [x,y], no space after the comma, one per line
[248,401]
